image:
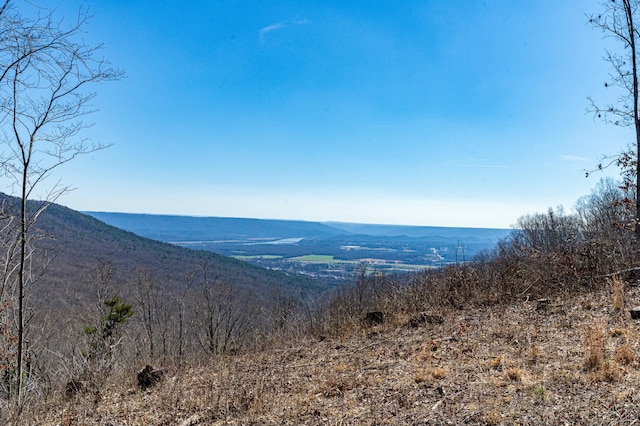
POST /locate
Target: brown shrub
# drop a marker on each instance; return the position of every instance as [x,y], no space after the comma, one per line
[594,347]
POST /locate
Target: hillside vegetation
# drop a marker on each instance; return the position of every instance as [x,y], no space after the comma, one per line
[103,298]
[536,331]
[81,243]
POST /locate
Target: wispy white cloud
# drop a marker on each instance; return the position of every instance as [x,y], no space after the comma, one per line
[278,26]
[574,158]
[264,31]
[484,166]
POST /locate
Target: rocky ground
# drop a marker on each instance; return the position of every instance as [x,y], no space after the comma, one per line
[569,360]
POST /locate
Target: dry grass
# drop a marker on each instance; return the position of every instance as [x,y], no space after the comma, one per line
[625,354]
[594,347]
[573,364]
[514,374]
[618,294]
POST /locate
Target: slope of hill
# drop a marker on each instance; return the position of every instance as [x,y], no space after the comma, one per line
[573,363]
[81,242]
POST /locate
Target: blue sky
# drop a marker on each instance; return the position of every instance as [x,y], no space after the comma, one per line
[449,113]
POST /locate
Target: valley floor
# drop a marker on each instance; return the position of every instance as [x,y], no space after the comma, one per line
[575,361]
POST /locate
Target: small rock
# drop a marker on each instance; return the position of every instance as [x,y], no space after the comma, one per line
[73,388]
[193,420]
[148,377]
[374,318]
[543,304]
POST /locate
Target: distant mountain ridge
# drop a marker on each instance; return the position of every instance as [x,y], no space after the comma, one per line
[172,228]
[420,231]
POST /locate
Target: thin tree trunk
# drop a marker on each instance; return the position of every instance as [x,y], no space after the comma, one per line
[636,116]
[21,284]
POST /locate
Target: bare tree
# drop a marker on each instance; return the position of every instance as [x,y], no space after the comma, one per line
[618,21]
[180,300]
[226,315]
[46,70]
[149,302]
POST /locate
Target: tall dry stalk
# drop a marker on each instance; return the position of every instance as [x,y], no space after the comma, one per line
[617,293]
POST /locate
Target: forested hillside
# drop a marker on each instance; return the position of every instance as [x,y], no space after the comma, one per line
[80,242]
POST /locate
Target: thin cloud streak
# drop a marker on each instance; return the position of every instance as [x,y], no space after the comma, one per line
[485,166]
[264,31]
[574,158]
[278,26]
